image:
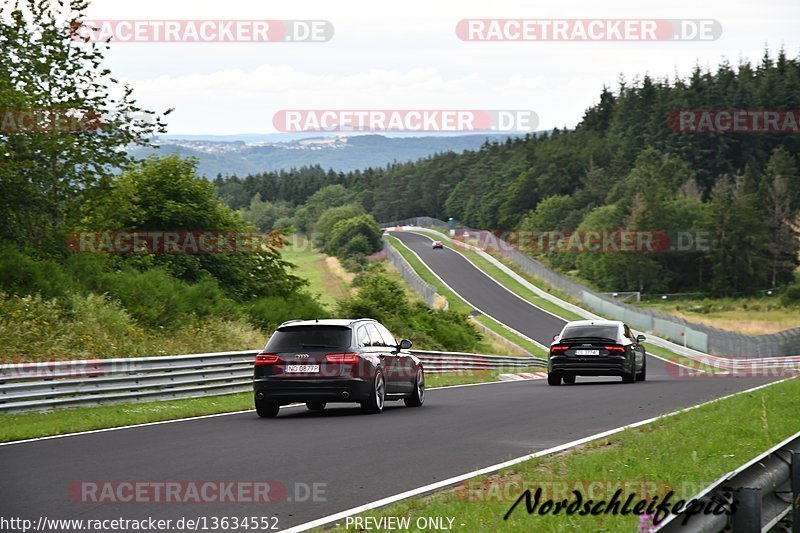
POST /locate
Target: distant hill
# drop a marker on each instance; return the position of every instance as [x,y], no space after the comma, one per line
[250,154]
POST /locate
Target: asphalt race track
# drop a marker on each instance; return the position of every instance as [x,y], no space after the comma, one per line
[353,458]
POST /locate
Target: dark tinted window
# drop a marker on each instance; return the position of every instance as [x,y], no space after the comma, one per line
[293,338]
[603,332]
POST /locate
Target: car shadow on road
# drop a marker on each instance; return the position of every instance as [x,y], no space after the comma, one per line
[335,412]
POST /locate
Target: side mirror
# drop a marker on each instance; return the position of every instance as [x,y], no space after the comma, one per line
[405,344]
[555,337]
[640,338]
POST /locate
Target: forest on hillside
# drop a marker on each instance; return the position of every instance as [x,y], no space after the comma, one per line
[625,165]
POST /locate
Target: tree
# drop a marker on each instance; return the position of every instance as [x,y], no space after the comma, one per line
[166,194]
[263,214]
[739,253]
[328,220]
[783,235]
[358,235]
[46,74]
[323,199]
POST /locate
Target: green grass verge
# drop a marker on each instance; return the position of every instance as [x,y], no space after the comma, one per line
[28,425]
[454,302]
[684,453]
[513,337]
[474,376]
[17,426]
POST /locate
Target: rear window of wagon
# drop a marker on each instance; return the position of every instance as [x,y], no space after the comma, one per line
[293,338]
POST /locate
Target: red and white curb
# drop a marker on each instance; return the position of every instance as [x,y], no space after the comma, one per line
[520,376]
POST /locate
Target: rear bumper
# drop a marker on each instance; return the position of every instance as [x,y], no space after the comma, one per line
[589,366]
[302,390]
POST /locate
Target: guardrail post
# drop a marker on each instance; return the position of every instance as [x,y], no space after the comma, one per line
[795,492]
[747,518]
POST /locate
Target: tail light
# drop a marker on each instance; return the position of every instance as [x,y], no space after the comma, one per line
[266,359]
[615,349]
[559,348]
[346,358]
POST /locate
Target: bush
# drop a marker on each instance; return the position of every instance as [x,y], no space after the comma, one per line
[21,274]
[385,300]
[448,328]
[358,235]
[94,326]
[155,298]
[270,312]
[791,296]
[328,220]
[378,297]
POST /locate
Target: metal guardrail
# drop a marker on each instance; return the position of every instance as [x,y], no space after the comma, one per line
[425,289]
[693,335]
[37,386]
[766,490]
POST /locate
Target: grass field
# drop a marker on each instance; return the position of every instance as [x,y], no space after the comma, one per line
[327,279]
[750,316]
[671,453]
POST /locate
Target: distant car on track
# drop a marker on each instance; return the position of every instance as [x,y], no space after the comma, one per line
[596,348]
[437,245]
[336,360]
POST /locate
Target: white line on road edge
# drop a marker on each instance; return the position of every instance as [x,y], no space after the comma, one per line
[533,288]
[479,269]
[200,417]
[683,351]
[494,468]
[533,341]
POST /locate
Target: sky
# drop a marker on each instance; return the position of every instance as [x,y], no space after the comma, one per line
[407,55]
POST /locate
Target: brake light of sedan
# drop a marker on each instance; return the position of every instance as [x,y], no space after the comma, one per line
[266,359]
[345,358]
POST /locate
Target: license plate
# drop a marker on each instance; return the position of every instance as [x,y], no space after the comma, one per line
[587,352]
[302,369]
